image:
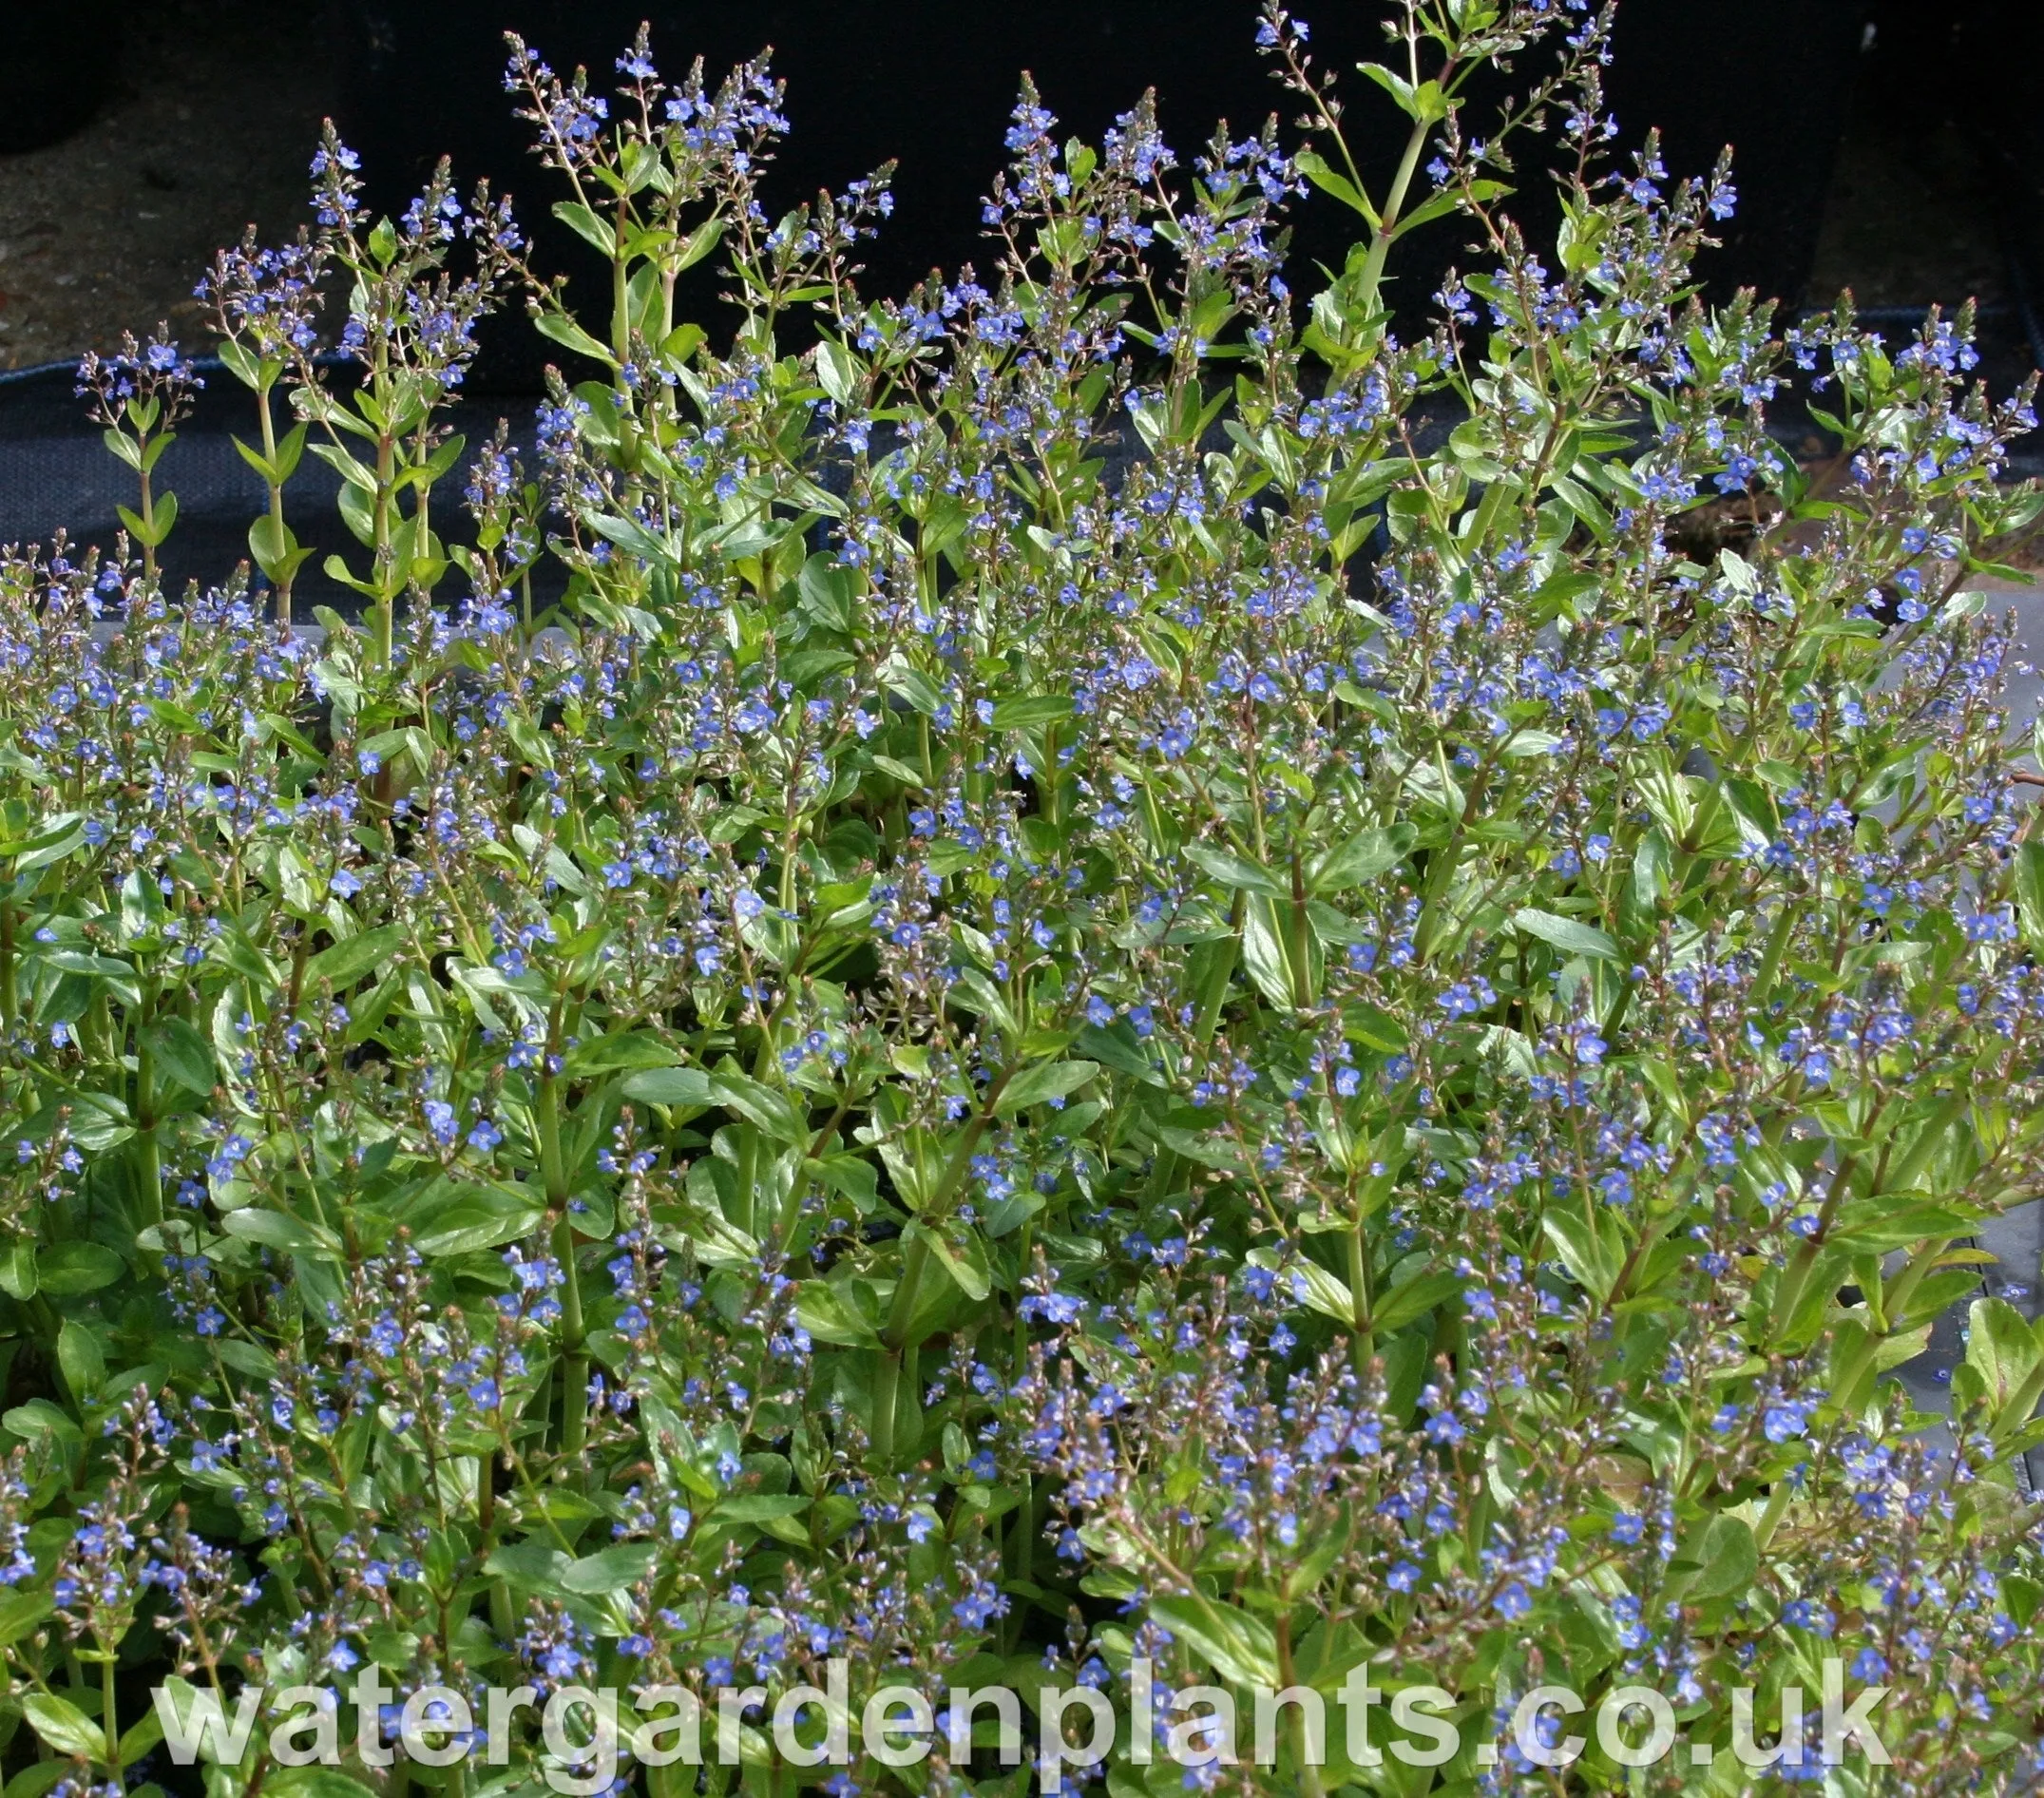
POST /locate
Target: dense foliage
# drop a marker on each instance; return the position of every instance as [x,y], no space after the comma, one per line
[1136,970]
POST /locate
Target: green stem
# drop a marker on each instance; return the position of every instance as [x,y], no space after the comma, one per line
[1896,1293]
[9,1002]
[149,1151]
[1212,988]
[748,1178]
[381,559]
[1788,1294]
[887,1386]
[1302,942]
[1770,1518]
[1309,1774]
[574,1357]
[1363,1346]
[1380,247]
[148,511]
[276,501]
[902,1313]
[110,1716]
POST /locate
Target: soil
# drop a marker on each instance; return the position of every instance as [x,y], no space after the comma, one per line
[206,128]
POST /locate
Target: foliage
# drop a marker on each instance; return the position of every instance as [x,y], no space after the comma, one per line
[1319,1041]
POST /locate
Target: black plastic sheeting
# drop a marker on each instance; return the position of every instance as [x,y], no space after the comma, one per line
[55,472]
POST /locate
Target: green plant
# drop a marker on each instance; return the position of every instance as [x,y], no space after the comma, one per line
[1311,1052]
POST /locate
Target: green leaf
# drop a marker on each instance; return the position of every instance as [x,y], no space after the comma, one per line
[1582,1251]
[81,1359]
[180,1051]
[1314,167]
[65,1726]
[1038,708]
[1117,1046]
[1231,871]
[1240,1647]
[616,1569]
[68,1269]
[1441,204]
[141,1736]
[20,1611]
[857,1178]
[839,373]
[699,242]
[529,1566]
[39,1417]
[1727,1560]
[760,1507]
[51,841]
[275,1230]
[1402,1304]
[275,550]
[629,534]
[2001,1347]
[627,1049]
[1396,85]
[1566,934]
[313,1782]
[1366,855]
[559,328]
[342,965]
[1046,1080]
[588,226]
[770,1110]
[39,1776]
[826,589]
[1311,1283]
[2029,889]
[256,460]
[964,1264]
[488,1219]
[829,1316]
[671,1086]
[18,1270]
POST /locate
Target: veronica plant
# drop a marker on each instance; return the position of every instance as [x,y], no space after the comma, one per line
[1143,991]
[138,395]
[263,302]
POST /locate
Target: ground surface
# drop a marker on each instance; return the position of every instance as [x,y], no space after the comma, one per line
[206,127]
[210,117]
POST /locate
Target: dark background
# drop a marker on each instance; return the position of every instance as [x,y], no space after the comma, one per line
[1891,147]
[1888,144]
[929,83]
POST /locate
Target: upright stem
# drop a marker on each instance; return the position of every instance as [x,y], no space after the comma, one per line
[148,518]
[380,564]
[901,1319]
[887,1383]
[8,999]
[1394,206]
[1304,1765]
[277,502]
[1363,1344]
[150,1173]
[574,1356]
[1301,941]
[110,1716]
[1771,1520]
